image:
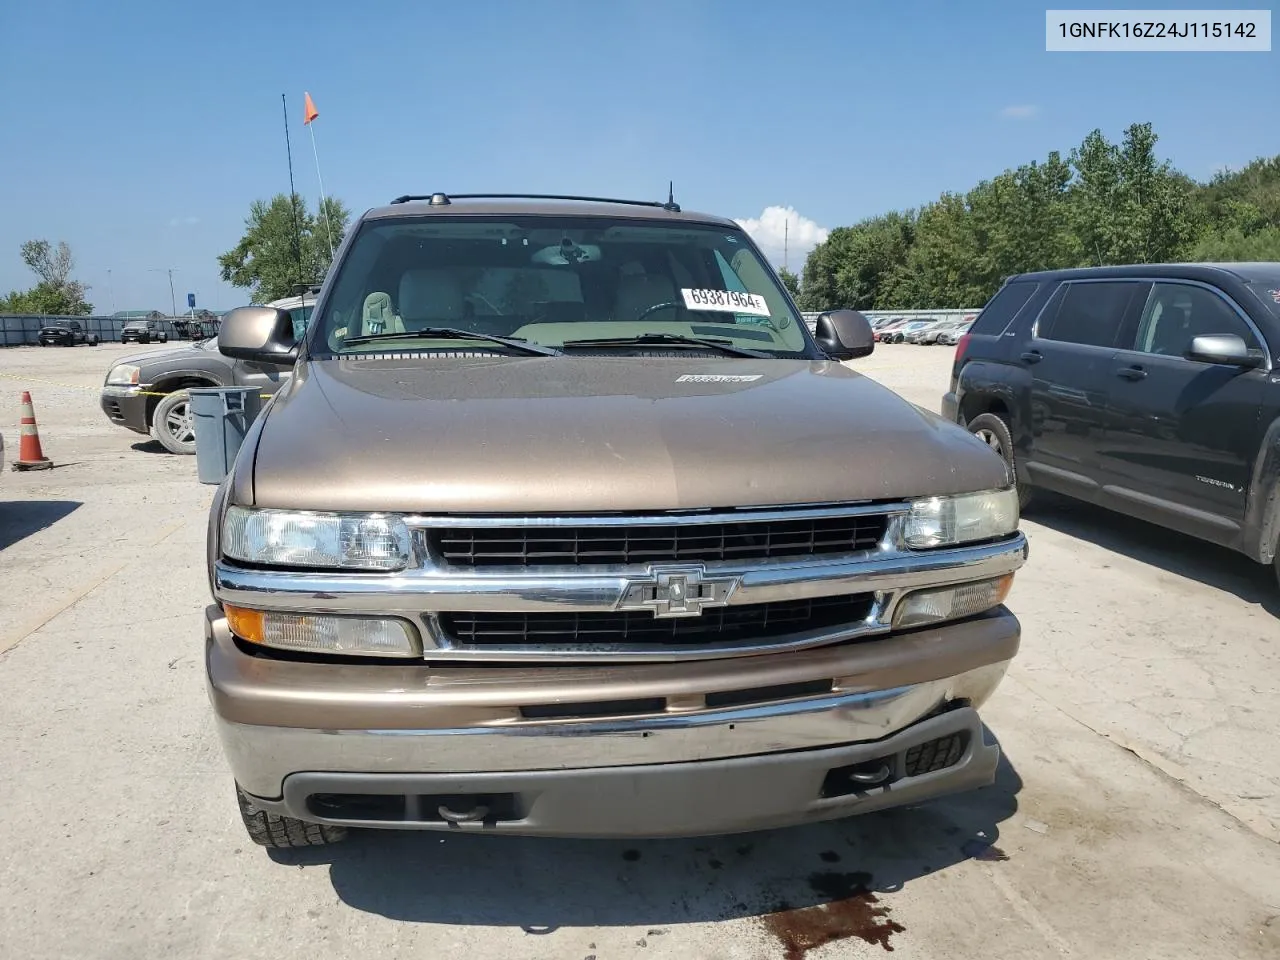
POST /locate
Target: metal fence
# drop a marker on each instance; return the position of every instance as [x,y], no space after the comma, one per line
[18,330]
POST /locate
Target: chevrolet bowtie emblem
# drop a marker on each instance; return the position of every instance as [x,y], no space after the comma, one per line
[677,591]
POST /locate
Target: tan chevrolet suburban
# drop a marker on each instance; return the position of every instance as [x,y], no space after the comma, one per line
[565,524]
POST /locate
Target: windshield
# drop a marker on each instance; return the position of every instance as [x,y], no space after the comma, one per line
[549,280]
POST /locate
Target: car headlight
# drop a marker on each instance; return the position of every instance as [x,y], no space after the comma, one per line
[123,375]
[949,521]
[343,541]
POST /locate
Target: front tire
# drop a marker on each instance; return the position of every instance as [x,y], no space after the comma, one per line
[174,423]
[271,830]
[993,430]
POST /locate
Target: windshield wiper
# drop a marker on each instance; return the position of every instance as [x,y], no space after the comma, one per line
[660,339]
[452,333]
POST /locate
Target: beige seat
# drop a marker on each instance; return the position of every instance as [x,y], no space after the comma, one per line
[378,316]
[639,291]
[431,298]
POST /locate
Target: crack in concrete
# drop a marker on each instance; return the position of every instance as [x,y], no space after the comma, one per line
[1255,823]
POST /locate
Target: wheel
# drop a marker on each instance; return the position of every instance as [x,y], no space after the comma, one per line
[174,424]
[993,430]
[164,338]
[270,830]
[93,340]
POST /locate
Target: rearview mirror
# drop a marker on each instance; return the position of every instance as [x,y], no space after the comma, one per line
[260,334]
[1224,348]
[844,335]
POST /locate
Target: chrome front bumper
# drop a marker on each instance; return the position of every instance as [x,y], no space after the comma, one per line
[418,595]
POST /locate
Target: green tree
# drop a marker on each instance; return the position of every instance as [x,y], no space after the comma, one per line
[1128,206]
[1235,244]
[1105,203]
[791,282]
[55,293]
[284,245]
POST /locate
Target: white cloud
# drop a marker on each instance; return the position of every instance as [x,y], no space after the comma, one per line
[1020,111]
[778,224]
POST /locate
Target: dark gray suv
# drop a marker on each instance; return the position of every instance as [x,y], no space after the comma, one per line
[1147,389]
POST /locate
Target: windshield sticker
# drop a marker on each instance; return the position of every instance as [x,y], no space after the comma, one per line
[1275,295]
[725,301]
[718,377]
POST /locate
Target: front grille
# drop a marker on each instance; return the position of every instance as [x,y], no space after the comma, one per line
[658,543]
[716,626]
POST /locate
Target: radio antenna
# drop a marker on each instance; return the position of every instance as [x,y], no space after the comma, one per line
[671,198]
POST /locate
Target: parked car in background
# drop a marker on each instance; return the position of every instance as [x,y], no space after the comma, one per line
[930,335]
[1150,390]
[914,335]
[148,393]
[143,331]
[884,332]
[900,334]
[951,336]
[65,333]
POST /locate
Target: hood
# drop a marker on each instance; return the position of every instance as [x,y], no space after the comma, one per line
[594,434]
[140,359]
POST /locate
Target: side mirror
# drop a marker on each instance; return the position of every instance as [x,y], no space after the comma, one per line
[1224,348]
[260,334]
[844,335]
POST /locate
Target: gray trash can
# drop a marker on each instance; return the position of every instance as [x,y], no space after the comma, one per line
[222,417]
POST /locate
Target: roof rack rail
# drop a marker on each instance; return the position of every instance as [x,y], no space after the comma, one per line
[444,199]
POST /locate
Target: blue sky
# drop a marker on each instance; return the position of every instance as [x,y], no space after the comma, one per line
[140,131]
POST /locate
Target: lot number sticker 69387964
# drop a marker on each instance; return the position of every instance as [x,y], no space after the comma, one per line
[725,301]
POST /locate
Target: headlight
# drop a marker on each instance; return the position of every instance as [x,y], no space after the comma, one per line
[353,636]
[948,521]
[123,375]
[305,539]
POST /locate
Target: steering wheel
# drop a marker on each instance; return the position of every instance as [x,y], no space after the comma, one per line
[658,306]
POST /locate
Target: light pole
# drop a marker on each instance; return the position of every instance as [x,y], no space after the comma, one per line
[111,283]
[173,300]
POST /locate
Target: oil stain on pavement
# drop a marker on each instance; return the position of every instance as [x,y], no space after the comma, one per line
[852,911]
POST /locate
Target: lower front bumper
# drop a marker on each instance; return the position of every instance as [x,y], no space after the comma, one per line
[633,750]
[126,408]
[940,755]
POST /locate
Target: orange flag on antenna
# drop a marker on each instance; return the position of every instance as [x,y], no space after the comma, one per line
[309,108]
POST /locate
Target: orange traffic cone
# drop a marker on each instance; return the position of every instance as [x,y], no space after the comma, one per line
[30,455]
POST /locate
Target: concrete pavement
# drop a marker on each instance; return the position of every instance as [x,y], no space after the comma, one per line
[1135,814]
